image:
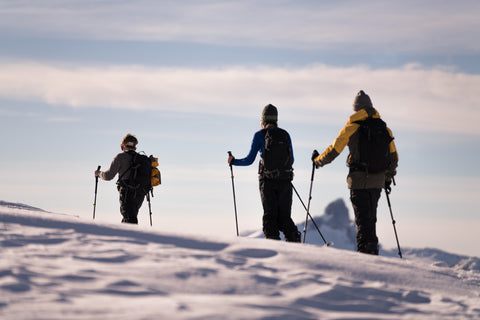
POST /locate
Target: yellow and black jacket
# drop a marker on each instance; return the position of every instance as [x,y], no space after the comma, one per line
[349,136]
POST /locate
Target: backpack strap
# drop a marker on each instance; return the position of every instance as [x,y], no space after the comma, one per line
[134,156]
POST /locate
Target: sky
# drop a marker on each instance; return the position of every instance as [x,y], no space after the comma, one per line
[190,80]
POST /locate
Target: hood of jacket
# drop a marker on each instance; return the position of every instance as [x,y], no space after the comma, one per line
[363,115]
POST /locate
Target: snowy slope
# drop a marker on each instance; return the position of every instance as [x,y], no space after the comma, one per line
[61,267]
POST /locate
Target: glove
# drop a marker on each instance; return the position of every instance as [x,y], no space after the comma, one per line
[97,173]
[317,163]
[230,160]
[388,187]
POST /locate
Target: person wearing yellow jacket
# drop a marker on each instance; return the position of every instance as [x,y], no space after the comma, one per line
[365,187]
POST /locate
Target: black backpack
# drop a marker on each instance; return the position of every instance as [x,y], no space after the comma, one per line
[139,174]
[276,162]
[373,147]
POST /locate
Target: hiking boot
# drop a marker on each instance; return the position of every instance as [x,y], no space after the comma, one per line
[369,248]
[372,248]
[271,237]
[295,236]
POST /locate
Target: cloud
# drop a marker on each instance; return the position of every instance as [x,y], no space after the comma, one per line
[411,96]
[378,26]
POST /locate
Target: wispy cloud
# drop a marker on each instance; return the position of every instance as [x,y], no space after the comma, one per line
[373,26]
[411,96]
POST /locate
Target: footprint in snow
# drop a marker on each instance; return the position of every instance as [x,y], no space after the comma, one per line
[255,253]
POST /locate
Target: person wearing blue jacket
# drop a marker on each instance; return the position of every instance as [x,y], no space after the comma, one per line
[275,175]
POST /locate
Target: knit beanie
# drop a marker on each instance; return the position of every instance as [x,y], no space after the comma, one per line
[269,114]
[129,141]
[362,101]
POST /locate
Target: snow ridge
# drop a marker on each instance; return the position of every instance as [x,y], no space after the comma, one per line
[60,267]
[20,206]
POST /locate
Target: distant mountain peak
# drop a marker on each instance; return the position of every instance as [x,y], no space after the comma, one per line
[336,215]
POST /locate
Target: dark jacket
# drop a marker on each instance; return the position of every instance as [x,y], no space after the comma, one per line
[258,145]
[120,164]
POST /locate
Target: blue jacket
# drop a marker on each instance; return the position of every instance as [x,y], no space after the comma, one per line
[258,144]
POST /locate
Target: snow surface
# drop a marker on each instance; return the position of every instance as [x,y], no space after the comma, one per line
[61,267]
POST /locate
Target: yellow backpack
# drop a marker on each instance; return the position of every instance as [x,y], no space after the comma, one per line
[156,176]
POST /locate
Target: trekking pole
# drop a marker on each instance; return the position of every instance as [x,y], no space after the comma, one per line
[314,223]
[393,220]
[149,205]
[234,200]
[95,200]
[308,206]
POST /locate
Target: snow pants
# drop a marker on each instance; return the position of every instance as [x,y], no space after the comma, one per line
[277,209]
[364,202]
[130,203]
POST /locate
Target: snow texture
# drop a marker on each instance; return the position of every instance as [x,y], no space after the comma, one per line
[61,267]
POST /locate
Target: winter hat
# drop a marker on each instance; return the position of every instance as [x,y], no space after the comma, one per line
[269,114]
[129,141]
[362,101]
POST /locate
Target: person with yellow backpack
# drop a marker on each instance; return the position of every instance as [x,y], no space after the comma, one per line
[137,174]
[372,163]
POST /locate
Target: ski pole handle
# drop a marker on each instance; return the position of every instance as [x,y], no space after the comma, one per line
[313,172]
[96,178]
[230,155]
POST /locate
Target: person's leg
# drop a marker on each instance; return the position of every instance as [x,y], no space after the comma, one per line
[364,202]
[128,206]
[137,203]
[268,194]
[285,222]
